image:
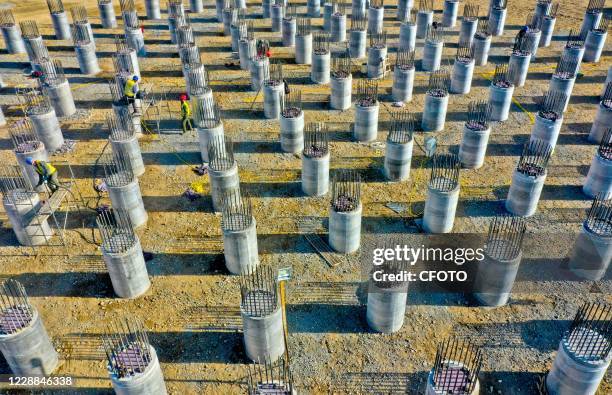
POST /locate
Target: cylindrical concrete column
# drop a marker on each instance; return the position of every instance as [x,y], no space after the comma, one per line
[223,182]
[292,132]
[403,9]
[432,55]
[328,10]
[407,35]
[591,255]
[86,57]
[449,13]
[130,150]
[359,7]
[260,71]
[439,212]
[229,16]
[263,334]
[196,6]
[574,374]
[273,98]
[473,146]
[591,20]
[424,18]
[376,19]
[461,79]
[20,207]
[601,123]
[127,269]
[313,8]
[29,351]
[345,230]
[240,249]
[524,194]
[338,28]
[220,5]
[276,15]
[320,69]
[289,31]
[61,25]
[467,30]
[135,40]
[151,381]
[303,49]
[365,127]
[357,44]
[129,198]
[341,89]
[206,135]
[434,113]
[519,67]
[482,46]
[535,35]
[500,100]
[497,20]
[548,28]
[152,9]
[61,98]
[599,178]
[403,82]
[574,52]
[235,36]
[47,129]
[606,82]
[593,45]
[246,50]
[560,83]
[398,157]
[123,108]
[495,279]
[315,175]
[377,60]
[386,308]
[546,129]
[108,19]
[12,39]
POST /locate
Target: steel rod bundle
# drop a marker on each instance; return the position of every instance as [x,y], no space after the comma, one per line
[346,191]
[444,172]
[6,18]
[79,14]
[341,65]
[438,84]
[358,22]
[505,237]
[456,368]
[316,141]
[259,293]
[405,58]
[501,77]
[606,99]
[482,31]
[80,35]
[237,212]
[303,26]
[465,52]
[551,105]
[292,104]
[320,43]
[117,170]
[575,40]
[595,6]
[402,127]
[378,40]
[479,115]
[605,147]
[127,347]
[604,23]
[470,11]
[116,231]
[434,34]
[221,153]
[566,66]
[534,159]
[367,93]
[425,5]
[128,5]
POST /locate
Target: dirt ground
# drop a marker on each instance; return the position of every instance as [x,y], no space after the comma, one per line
[192,308]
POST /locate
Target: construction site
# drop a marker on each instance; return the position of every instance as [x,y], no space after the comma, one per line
[305,197]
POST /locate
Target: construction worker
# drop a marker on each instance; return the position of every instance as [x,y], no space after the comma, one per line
[131,92]
[47,174]
[185,113]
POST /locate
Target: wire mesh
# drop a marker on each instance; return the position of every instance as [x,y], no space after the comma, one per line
[127,347]
[551,104]
[29,29]
[367,93]
[116,230]
[120,126]
[292,104]
[425,5]
[316,141]
[221,153]
[6,18]
[405,58]
[55,6]
[378,40]
[259,293]
[439,82]
[402,127]
[444,172]
[534,158]
[358,22]
[505,238]
[346,191]
[605,146]
[575,39]
[341,65]
[16,312]
[501,76]
[479,115]
[599,216]
[590,334]
[237,212]
[595,6]
[117,170]
[320,43]
[470,11]
[23,137]
[457,366]
[267,377]
[566,66]
[206,113]
[79,14]
[465,52]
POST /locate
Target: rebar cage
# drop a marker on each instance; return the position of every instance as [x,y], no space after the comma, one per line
[566,66]
[16,312]
[291,104]
[116,230]
[505,237]
[551,104]
[221,153]
[206,113]
[599,216]
[590,334]
[341,65]
[402,127]
[127,347]
[367,93]
[55,6]
[534,159]
[23,137]
[6,18]
[346,191]
[120,126]
[320,43]
[237,214]
[405,58]
[316,141]
[259,292]
[605,146]
[267,377]
[457,366]
[438,83]
[117,170]
[479,115]
[501,76]
[444,172]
